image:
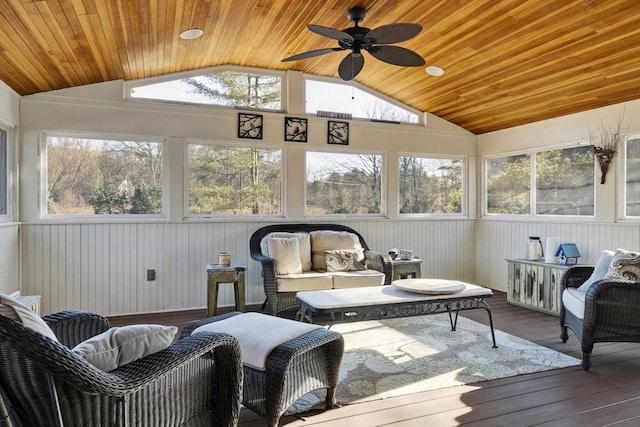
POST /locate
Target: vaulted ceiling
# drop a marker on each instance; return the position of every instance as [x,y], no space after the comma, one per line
[506,62]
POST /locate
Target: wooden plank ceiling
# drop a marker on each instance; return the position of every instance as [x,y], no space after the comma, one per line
[506,62]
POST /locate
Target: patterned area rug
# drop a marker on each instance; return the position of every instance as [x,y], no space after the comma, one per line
[394,357]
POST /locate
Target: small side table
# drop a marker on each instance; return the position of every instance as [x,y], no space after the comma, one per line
[217,274]
[402,268]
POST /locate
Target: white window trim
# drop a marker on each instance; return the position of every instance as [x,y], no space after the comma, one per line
[12,176]
[421,115]
[129,85]
[532,216]
[383,183]
[621,164]
[45,217]
[465,188]
[224,143]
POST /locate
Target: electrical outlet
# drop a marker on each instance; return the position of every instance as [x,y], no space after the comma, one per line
[151,275]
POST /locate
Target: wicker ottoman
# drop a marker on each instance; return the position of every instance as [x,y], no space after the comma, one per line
[293,368]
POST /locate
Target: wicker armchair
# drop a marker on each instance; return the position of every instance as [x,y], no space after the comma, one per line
[196,381]
[611,312]
[280,301]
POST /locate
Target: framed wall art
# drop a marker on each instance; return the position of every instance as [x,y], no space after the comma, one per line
[295,129]
[249,126]
[338,132]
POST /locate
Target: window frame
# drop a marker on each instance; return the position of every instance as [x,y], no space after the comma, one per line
[11,174]
[383,182]
[46,217]
[532,215]
[132,84]
[465,187]
[622,181]
[312,77]
[234,144]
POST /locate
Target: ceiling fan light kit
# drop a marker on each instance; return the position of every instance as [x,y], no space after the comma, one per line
[434,71]
[376,42]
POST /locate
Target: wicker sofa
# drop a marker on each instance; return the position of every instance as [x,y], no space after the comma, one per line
[196,381]
[608,311]
[281,289]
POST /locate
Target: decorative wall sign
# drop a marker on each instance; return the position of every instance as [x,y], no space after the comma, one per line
[338,132]
[249,126]
[334,115]
[295,129]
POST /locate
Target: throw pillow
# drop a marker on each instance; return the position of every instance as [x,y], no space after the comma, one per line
[121,345]
[624,265]
[286,254]
[18,312]
[345,260]
[600,270]
[305,246]
[329,240]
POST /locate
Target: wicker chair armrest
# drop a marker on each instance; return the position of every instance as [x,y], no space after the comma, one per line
[71,327]
[575,276]
[615,303]
[56,360]
[380,262]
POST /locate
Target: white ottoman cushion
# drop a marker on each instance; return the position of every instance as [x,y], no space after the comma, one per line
[258,334]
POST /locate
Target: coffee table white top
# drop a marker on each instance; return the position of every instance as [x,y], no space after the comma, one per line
[381,295]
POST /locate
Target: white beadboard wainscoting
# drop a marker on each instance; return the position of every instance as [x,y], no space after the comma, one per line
[102,267]
[9,258]
[498,240]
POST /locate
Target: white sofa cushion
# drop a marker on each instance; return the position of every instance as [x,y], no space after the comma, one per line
[573,301]
[307,281]
[286,254]
[305,246]
[356,279]
[600,270]
[327,240]
[624,265]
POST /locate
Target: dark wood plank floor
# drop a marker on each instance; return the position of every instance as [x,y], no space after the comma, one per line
[609,394]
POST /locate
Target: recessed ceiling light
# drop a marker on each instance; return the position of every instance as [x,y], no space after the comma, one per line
[435,71]
[193,33]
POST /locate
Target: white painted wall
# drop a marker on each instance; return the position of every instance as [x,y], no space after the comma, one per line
[100,267]
[9,240]
[500,238]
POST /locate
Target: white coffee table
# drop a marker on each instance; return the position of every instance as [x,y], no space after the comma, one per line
[377,302]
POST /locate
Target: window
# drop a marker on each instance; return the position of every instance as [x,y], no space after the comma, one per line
[632,177]
[346,98]
[102,176]
[430,185]
[224,88]
[563,181]
[346,184]
[4,173]
[508,185]
[234,180]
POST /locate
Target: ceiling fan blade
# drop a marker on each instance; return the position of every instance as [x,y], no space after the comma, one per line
[350,66]
[312,53]
[332,33]
[396,55]
[394,33]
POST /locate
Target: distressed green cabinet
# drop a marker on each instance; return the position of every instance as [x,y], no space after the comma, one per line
[535,284]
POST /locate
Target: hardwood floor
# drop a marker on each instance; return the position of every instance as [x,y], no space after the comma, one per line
[609,394]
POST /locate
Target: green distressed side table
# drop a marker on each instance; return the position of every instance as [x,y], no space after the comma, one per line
[217,274]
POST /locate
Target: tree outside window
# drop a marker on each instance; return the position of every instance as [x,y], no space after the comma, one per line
[508,185]
[95,176]
[234,180]
[632,178]
[347,184]
[429,185]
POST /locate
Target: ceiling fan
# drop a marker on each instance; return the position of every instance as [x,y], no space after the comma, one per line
[376,42]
